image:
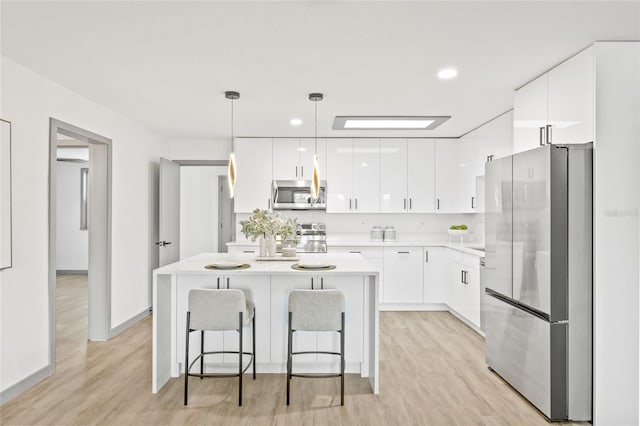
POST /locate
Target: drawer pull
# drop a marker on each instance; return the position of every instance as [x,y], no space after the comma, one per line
[354,251]
[248,251]
[404,252]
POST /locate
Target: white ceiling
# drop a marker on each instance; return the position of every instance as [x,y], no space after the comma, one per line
[167,64]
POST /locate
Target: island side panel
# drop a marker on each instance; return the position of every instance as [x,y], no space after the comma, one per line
[374,330]
[162,339]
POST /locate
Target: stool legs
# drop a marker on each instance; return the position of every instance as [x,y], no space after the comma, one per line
[253,329]
[201,353]
[289,350]
[240,364]
[342,362]
[186,359]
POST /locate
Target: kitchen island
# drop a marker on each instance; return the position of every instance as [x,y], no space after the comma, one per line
[267,284]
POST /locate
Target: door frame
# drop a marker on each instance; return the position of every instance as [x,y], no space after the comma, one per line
[223,180]
[99,311]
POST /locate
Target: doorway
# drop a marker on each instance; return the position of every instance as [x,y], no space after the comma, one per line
[226,216]
[93,213]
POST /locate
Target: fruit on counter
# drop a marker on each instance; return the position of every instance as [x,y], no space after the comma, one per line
[459,227]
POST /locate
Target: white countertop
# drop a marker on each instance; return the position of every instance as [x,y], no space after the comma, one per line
[474,248]
[346,264]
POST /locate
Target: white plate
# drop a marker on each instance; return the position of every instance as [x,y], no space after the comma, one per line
[227,264]
[313,265]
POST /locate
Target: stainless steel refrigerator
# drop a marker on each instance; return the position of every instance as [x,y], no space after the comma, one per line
[537,306]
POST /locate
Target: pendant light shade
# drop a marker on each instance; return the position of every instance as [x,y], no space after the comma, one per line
[315,178]
[231,173]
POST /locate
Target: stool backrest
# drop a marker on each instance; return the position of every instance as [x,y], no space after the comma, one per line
[216,310]
[316,310]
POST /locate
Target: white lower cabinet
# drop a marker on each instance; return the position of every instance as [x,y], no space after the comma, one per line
[255,288]
[403,275]
[353,291]
[465,286]
[436,288]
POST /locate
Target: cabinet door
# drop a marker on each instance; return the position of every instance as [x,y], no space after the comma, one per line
[571,92]
[285,159]
[213,339]
[471,168]
[421,175]
[353,289]
[307,149]
[253,174]
[472,297]
[256,289]
[403,275]
[529,115]
[452,194]
[436,285]
[458,290]
[393,176]
[339,176]
[366,176]
[281,286]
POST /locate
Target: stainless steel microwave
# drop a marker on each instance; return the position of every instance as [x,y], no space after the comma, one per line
[296,195]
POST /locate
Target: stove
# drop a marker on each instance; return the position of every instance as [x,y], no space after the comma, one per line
[312,238]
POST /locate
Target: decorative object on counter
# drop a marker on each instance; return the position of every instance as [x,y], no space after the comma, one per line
[227,265]
[315,178]
[457,231]
[232,95]
[267,227]
[377,233]
[289,252]
[389,233]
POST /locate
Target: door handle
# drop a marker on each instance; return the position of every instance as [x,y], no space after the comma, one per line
[228,282]
[541,136]
[549,134]
[218,283]
[321,283]
[311,283]
[426,256]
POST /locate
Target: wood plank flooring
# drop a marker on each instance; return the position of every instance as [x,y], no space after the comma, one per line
[432,373]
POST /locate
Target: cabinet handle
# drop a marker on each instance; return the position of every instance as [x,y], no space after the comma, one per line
[410,202]
[404,204]
[437,203]
[489,158]
[426,256]
[228,282]
[473,204]
[549,142]
[248,251]
[542,136]
[218,283]
[302,171]
[356,204]
[355,251]
[403,252]
[349,203]
[321,283]
[296,171]
[269,203]
[311,283]
[462,277]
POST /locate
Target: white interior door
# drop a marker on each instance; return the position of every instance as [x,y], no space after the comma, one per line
[169,214]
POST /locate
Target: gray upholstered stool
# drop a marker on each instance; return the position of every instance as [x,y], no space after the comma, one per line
[219,310]
[316,310]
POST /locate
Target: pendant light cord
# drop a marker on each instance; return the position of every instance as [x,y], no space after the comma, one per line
[233,142]
[316,129]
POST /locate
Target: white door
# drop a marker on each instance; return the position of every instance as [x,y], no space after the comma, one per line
[285,159]
[169,215]
[403,275]
[451,176]
[366,176]
[530,115]
[253,174]
[393,176]
[339,176]
[421,175]
[571,93]
[436,282]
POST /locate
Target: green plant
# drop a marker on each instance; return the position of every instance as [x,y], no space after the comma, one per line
[458,227]
[262,223]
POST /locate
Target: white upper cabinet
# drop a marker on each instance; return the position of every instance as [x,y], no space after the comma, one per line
[393,176]
[421,175]
[530,115]
[339,176]
[253,174]
[454,188]
[571,100]
[494,139]
[293,158]
[366,175]
[557,107]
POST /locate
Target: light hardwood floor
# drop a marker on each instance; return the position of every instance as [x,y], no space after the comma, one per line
[432,372]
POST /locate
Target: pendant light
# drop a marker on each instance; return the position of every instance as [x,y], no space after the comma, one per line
[231,173]
[315,178]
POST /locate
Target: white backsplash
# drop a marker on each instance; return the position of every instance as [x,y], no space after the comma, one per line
[408,226]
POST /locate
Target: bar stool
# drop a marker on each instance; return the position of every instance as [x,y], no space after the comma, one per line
[316,310]
[219,310]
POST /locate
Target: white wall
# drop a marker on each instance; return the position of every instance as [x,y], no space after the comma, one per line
[199,209]
[616,230]
[28,101]
[198,149]
[72,243]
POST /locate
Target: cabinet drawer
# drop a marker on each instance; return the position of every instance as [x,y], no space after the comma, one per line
[366,252]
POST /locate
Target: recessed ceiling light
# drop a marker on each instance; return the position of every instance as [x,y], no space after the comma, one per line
[296,122]
[388,122]
[447,73]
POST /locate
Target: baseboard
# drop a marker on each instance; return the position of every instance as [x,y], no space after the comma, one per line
[23,385]
[466,322]
[413,307]
[128,323]
[72,272]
